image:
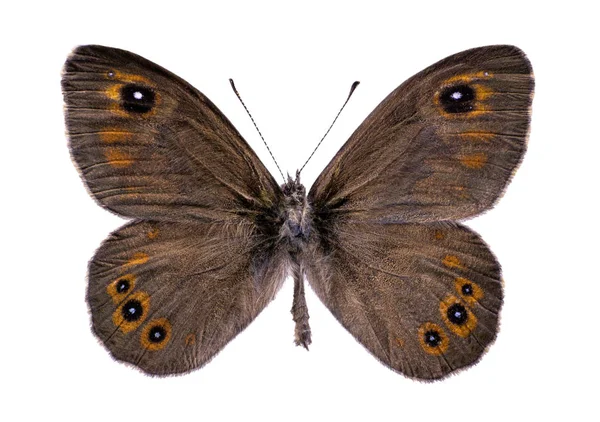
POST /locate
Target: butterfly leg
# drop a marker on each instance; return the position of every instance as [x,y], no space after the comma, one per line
[299,309]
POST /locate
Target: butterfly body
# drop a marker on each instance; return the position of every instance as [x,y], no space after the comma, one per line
[298,214]
[213,235]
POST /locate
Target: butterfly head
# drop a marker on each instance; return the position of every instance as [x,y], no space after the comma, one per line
[294,189]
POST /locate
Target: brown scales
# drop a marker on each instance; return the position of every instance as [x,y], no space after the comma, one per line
[213,235]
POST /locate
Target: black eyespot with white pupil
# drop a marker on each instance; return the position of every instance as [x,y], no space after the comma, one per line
[432,338]
[123,286]
[457,314]
[458,99]
[132,310]
[157,334]
[137,98]
[467,289]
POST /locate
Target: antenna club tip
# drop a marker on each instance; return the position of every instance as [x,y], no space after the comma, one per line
[235,89]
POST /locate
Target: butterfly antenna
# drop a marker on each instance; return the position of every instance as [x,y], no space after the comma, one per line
[352,88]
[257,129]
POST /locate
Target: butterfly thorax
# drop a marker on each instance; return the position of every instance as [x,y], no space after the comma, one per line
[296,225]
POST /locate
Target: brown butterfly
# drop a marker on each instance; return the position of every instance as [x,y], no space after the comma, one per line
[214,236]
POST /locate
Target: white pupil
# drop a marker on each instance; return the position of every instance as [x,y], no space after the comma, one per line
[138,95]
[457,314]
[157,335]
[132,310]
[455,95]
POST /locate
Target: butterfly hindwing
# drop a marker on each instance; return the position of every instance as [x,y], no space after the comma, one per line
[168,296]
[423,298]
[442,146]
[149,145]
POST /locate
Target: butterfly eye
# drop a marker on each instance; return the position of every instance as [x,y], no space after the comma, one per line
[457,99]
[137,98]
[156,334]
[457,316]
[433,339]
[131,313]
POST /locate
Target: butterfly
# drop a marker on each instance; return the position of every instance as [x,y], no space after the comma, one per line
[213,236]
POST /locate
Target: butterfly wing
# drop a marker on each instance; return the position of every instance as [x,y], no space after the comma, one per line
[167,296]
[149,145]
[423,298]
[442,146]
[422,293]
[168,292]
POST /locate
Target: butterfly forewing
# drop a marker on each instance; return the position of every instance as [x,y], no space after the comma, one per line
[442,146]
[149,145]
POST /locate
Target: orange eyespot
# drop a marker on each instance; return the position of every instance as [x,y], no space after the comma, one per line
[458,317]
[461,95]
[469,291]
[132,312]
[433,339]
[439,235]
[156,334]
[133,95]
[153,233]
[121,287]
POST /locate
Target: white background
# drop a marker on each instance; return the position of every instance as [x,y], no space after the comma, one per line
[294,65]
